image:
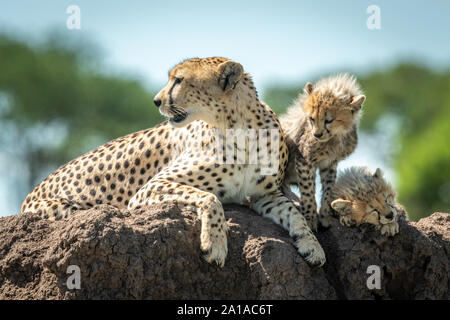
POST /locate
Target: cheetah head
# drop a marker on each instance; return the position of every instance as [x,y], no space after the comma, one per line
[364,198]
[198,89]
[332,106]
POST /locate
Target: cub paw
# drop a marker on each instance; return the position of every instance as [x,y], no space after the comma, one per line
[325,220]
[311,250]
[326,216]
[389,229]
[347,221]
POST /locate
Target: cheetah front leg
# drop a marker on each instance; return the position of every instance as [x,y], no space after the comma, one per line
[282,211]
[213,236]
[327,178]
[306,179]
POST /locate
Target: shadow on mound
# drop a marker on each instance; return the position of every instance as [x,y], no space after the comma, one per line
[154,254]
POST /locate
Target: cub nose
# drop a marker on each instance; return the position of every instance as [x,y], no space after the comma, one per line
[318,135]
[390,215]
[157,102]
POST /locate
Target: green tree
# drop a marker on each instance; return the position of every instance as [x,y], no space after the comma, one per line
[56,105]
[423,166]
[419,98]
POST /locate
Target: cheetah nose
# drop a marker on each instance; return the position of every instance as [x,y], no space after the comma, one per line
[318,135]
[157,102]
[390,215]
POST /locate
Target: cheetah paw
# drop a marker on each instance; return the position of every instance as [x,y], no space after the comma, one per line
[311,251]
[325,220]
[215,250]
[347,221]
[325,216]
[389,229]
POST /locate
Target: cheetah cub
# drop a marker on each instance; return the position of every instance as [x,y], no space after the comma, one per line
[321,127]
[360,196]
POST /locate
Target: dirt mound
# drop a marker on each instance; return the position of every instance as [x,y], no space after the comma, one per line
[414,264]
[154,254]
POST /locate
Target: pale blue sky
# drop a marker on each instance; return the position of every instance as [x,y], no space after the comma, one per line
[277,41]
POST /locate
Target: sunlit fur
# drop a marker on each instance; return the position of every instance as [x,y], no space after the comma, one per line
[337,98]
[196,91]
[179,161]
[322,129]
[361,196]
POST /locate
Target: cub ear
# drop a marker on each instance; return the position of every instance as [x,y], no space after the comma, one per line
[230,73]
[378,173]
[357,102]
[343,207]
[309,87]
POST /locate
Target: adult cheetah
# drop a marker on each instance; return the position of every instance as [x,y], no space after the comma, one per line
[182,161]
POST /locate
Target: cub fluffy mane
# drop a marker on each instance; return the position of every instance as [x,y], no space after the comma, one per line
[342,86]
[357,181]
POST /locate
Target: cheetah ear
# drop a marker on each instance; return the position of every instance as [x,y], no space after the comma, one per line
[378,173]
[309,87]
[343,207]
[230,73]
[357,102]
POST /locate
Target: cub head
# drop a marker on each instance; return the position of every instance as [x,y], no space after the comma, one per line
[363,197]
[332,106]
[198,89]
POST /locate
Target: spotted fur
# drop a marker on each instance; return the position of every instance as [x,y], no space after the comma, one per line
[322,130]
[360,196]
[177,161]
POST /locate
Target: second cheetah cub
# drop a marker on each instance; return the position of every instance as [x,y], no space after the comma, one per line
[322,129]
[360,196]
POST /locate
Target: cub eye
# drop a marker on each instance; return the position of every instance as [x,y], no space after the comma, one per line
[329,121]
[311,119]
[178,80]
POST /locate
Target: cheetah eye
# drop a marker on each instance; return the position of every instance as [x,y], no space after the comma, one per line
[329,121]
[178,80]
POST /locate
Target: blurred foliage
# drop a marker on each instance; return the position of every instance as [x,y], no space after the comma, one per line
[53,90]
[56,103]
[419,98]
